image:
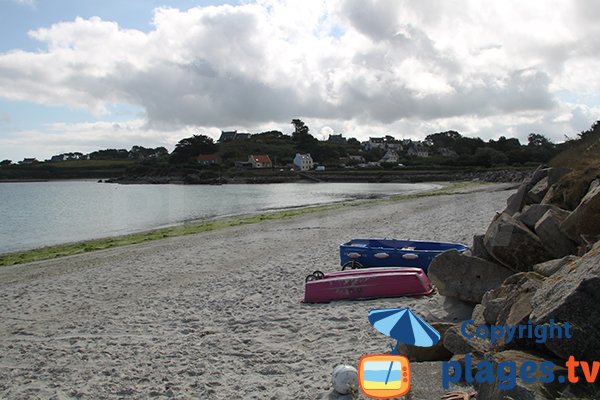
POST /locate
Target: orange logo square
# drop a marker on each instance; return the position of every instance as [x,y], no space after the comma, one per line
[383,376]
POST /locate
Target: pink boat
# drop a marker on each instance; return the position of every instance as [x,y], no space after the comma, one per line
[367,283]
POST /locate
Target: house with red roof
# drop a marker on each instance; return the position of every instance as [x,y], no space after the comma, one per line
[208,159]
[260,161]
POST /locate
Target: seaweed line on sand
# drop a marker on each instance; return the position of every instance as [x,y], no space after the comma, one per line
[68,249]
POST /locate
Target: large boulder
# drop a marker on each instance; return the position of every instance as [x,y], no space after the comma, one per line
[511,303]
[537,192]
[513,245]
[495,389]
[516,201]
[478,249]
[572,295]
[465,277]
[457,343]
[436,352]
[585,219]
[533,213]
[549,232]
[549,268]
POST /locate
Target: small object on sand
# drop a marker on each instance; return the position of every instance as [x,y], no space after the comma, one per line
[345,379]
[460,395]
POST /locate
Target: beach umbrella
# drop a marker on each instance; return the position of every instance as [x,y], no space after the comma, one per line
[404,326]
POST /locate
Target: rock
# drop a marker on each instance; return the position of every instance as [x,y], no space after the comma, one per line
[492,304]
[537,193]
[533,213]
[478,249]
[585,219]
[555,196]
[513,245]
[457,343]
[521,391]
[572,295]
[465,277]
[516,201]
[511,302]
[554,174]
[540,173]
[555,241]
[436,352]
[477,315]
[517,305]
[548,268]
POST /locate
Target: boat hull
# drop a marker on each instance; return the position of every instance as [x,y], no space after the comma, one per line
[366,253]
[372,283]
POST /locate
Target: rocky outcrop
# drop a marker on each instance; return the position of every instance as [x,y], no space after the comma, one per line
[537,192]
[533,213]
[585,219]
[573,294]
[471,276]
[513,245]
[549,268]
[496,389]
[553,239]
[538,238]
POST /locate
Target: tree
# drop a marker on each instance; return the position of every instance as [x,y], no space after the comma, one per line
[447,139]
[190,147]
[300,129]
[5,162]
[537,140]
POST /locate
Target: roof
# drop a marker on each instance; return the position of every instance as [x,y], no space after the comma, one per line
[226,136]
[264,159]
[207,157]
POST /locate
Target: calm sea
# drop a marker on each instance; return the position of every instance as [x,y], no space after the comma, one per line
[37,214]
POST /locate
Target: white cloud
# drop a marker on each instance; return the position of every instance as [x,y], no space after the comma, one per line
[359,67]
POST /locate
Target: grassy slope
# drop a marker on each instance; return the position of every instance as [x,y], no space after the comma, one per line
[63,250]
[584,160]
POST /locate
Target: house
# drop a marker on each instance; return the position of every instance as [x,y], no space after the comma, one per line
[260,161]
[336,139]
[418,150]
[208,159]
[228,136]
[391,157]
[60,157]
[28,161]
[303,162]
[375,143]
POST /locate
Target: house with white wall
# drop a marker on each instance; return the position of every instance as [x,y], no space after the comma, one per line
[303,162]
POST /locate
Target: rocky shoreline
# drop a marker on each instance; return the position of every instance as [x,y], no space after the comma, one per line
[538,264]
[375,176]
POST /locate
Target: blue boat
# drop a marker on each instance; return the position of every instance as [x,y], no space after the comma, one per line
[365,253]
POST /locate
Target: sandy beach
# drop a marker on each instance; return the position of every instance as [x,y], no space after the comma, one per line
[217,315]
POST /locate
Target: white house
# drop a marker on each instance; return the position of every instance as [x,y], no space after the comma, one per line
[303,162]
[390,157]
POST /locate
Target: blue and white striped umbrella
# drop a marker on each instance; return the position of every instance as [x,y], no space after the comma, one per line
[404,326]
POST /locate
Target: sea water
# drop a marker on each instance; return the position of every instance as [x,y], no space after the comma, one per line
[37,214]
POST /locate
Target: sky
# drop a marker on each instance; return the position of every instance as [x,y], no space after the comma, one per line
[86,75]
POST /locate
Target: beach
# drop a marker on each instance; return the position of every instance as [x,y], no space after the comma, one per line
[218,314]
